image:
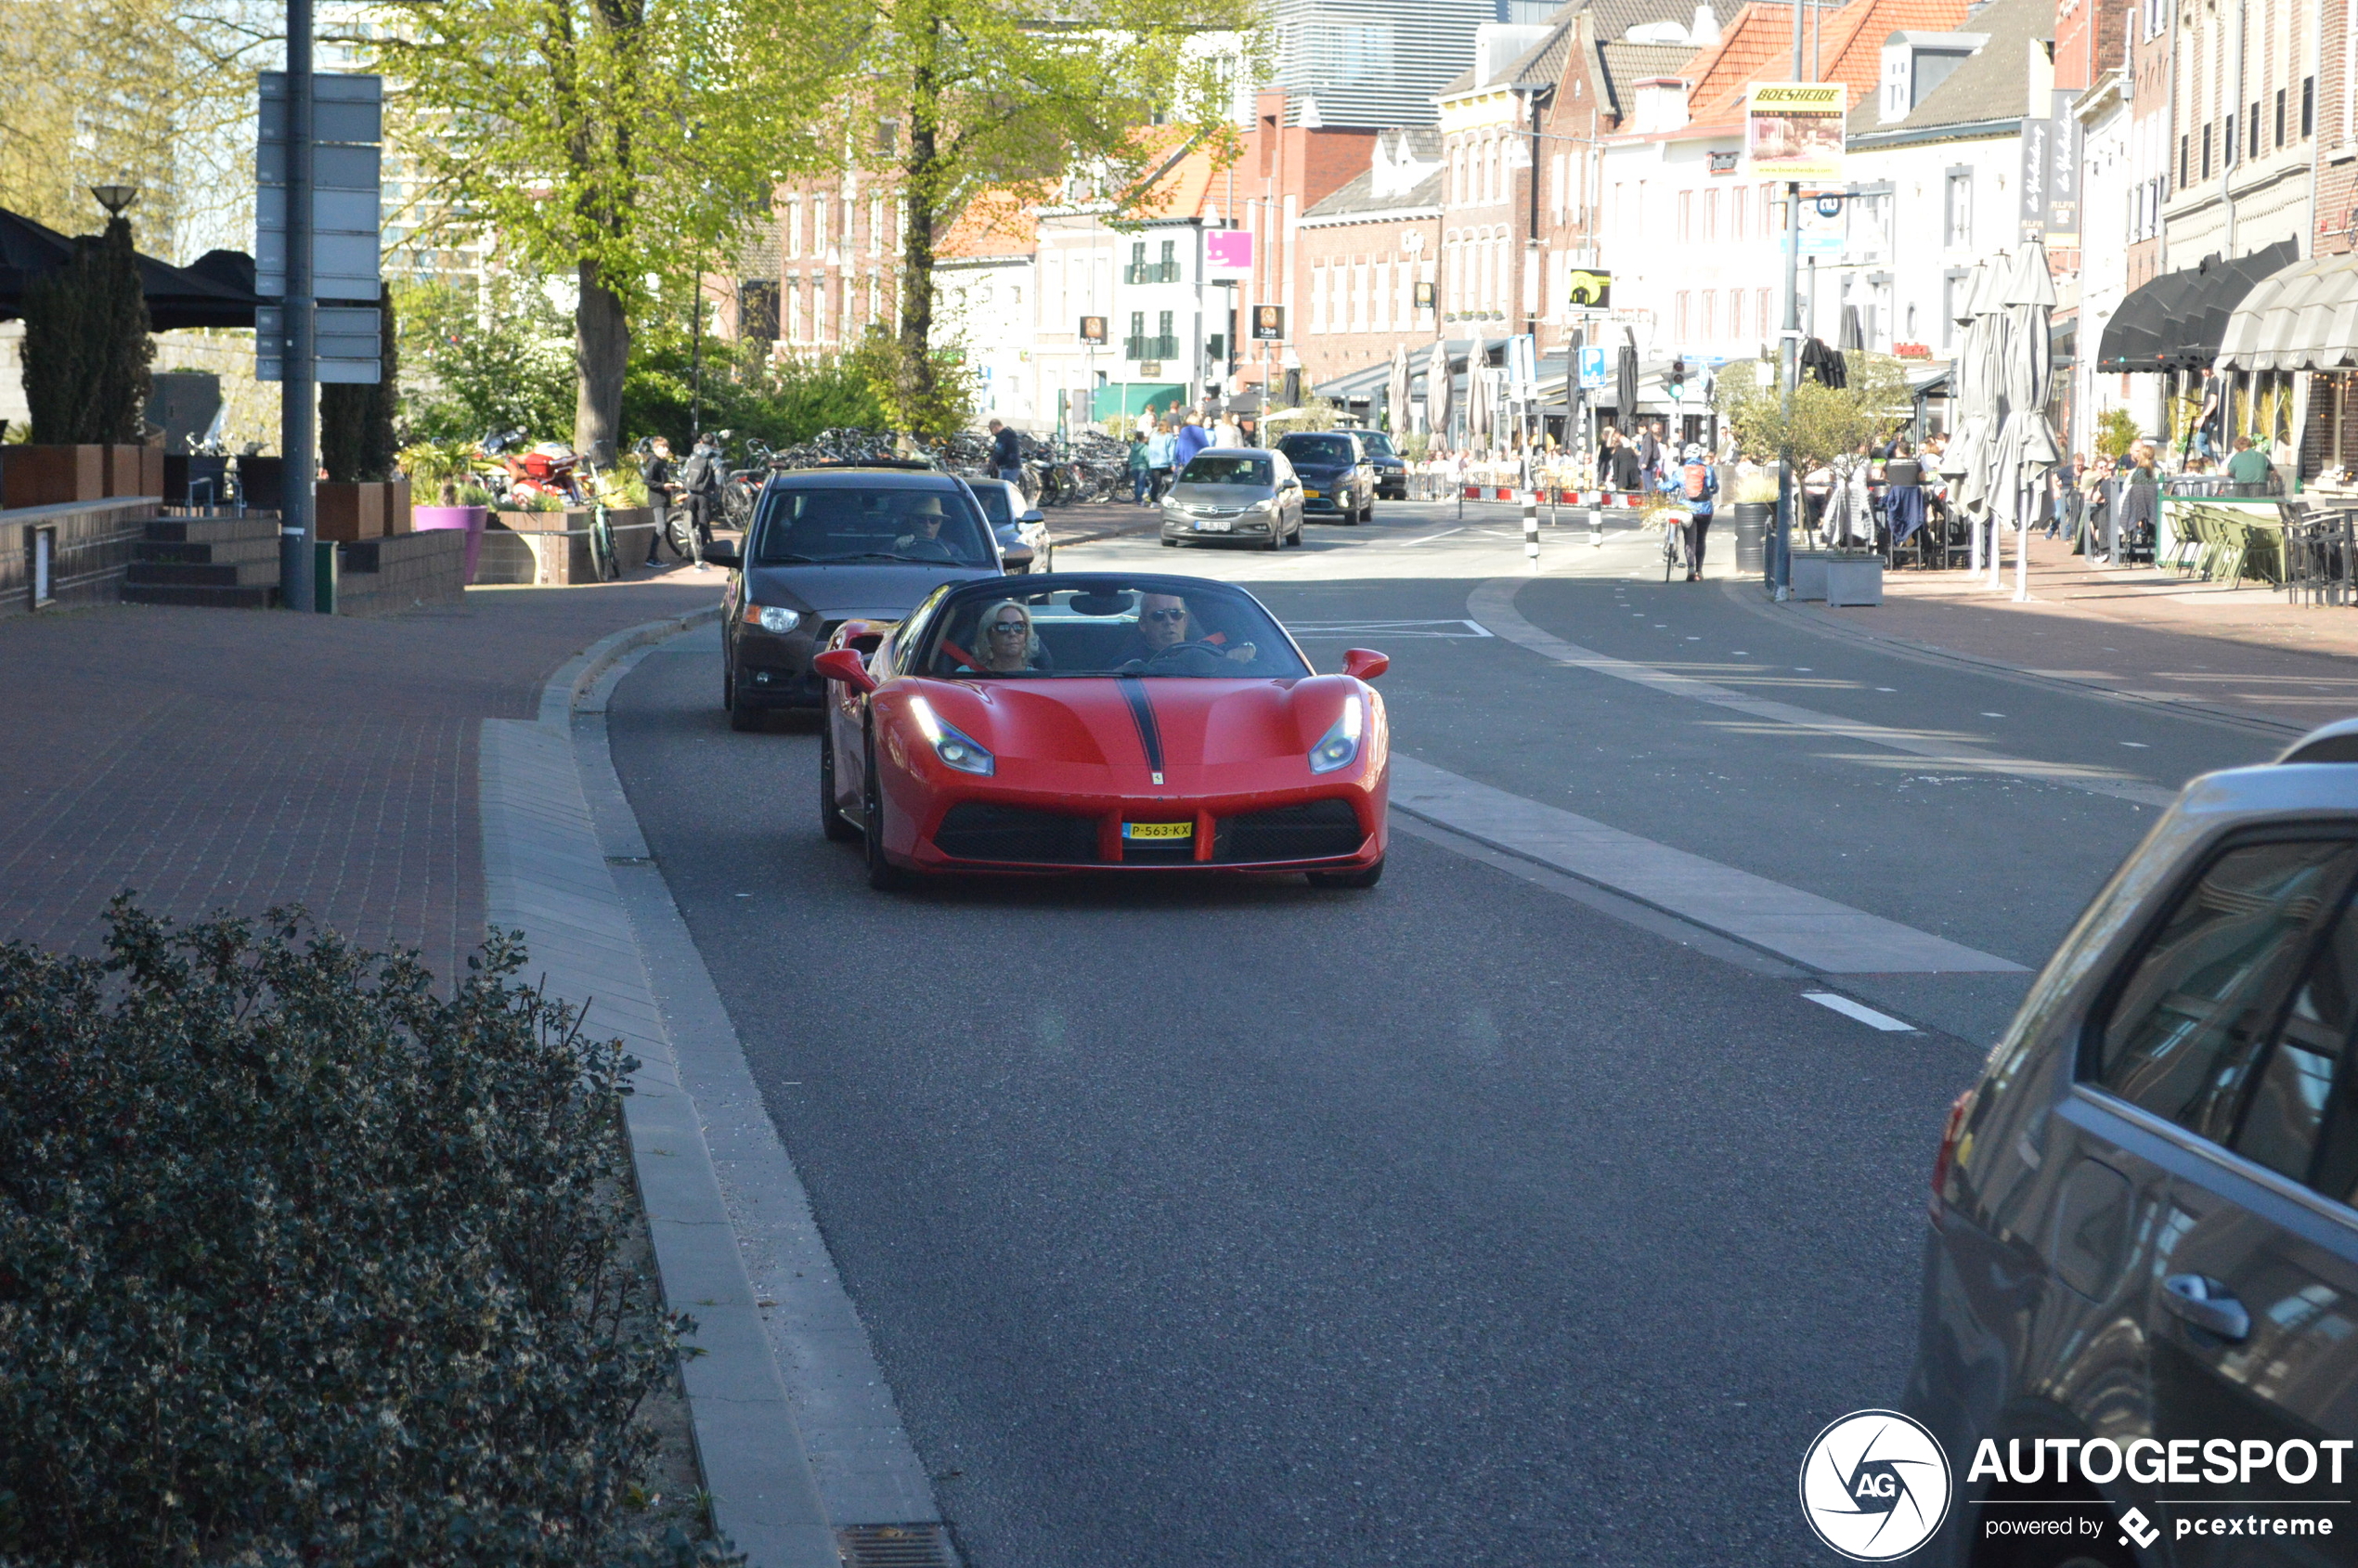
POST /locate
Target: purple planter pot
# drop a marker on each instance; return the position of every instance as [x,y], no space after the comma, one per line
[471,518]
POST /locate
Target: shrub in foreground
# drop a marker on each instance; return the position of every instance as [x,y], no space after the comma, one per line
[301,1262]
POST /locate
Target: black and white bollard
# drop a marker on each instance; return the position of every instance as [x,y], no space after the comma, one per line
[1531,524]
[1596,528]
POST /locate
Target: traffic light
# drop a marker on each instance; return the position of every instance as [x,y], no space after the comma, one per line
[1677,378]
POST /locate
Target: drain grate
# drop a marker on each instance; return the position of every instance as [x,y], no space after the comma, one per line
[895,1546]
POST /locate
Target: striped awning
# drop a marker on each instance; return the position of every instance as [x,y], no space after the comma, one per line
[2302,318]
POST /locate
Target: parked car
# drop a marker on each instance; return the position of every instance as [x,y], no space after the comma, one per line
[1024,542]
[1233,493]
[1337,479]
[829,545]
[1125,724]
[2141,1224]
[1391,473]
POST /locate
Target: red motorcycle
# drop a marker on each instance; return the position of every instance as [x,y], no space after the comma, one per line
[551,468]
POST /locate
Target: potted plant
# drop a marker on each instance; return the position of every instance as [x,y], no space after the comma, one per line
[364,496]
[86,351]
[461,503]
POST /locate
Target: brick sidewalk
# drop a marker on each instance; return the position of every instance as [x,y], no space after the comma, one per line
[2244,651]
[238,760]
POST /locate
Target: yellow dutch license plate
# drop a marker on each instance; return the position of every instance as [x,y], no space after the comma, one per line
[1311,495]
[1158,830]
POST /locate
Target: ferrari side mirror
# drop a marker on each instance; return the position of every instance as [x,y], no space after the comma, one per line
[1365,664]
[844,665]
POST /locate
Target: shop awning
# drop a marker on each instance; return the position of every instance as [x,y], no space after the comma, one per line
[1132,397]
[2304,317]
[2176,322]
[214,291]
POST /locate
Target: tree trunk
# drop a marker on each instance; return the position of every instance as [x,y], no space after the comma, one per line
[920,177]
[601,354]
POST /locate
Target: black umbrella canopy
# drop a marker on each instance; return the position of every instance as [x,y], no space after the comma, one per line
[216,291]
[2178,321]
[1625,386]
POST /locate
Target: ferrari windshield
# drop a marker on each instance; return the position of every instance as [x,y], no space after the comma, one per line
[928,523]
[1146,627]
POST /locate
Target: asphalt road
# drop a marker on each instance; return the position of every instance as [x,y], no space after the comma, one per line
[1453,1222]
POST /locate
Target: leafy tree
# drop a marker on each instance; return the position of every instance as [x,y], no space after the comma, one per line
[1828,424]
[609,141]
[86,347]
[355,422]
[494,362]
[960,102]
[2115,432]
[745,391]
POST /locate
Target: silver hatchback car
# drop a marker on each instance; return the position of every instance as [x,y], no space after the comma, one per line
[1242,494]
[2140,1310]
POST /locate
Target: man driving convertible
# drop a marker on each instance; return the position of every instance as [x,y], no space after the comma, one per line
[1165,636]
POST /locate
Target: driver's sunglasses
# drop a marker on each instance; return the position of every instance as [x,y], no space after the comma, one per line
[1008,628]
[1164,615]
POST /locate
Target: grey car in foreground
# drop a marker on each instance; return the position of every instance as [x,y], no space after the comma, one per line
[1240,494]
[2140,1302]
[832,545]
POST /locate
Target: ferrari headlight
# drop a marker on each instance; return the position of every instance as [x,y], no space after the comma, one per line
[1338,747]
[774,618]
[956,748]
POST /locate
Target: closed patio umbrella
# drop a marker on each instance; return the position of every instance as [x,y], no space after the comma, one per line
[1478,410]
[1437,394]
[2026,451]
[1624,385]
[1396,392]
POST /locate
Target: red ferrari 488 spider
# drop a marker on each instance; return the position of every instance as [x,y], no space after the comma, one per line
[1087,721]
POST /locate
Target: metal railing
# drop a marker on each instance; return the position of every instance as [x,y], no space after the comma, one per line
[1164,347]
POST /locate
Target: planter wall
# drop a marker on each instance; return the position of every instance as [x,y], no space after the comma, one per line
[403,571]
[468,520]
[1854,581]
[552,549]
[349,512]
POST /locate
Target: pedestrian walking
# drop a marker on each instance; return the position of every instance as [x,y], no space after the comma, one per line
[1226,432]
[1193,438]
[700,480]
[656,472]
[1628,468]
[1161,448]
[1147,423]
[1006,453]
[1699,485]
[1142,478]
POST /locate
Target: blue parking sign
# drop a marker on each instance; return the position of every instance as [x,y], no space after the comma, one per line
[1592,367]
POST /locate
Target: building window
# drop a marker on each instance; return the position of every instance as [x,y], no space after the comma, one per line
[2253,141]
[1735,313]
[2280,117]
[1767,211]
[2205,152]
[1686,217]
[794,227]
[1951,282]
[1959,227]
[1764,313]
[1709,320]
[2185,141]
[1679,318]
[2308,106]
[1318,298]
[1710,216]
[1736,216]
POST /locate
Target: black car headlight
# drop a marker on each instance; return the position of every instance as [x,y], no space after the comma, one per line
[775,619]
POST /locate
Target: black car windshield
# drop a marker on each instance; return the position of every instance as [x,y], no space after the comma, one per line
[1378,445]
[1225,469]
[1316,449]
[1152,627]
[931,525]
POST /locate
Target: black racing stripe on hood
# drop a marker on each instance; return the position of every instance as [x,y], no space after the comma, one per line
[1133,692]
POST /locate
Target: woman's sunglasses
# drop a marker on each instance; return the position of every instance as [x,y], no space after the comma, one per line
[1008,628]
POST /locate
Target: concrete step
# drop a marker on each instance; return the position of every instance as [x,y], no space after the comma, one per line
[198,574]
[251,596]
[212,553]
[212,530]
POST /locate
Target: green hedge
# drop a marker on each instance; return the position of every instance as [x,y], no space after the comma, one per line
[301,1262]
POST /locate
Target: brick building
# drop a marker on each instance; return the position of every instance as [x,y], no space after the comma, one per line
[1369,259]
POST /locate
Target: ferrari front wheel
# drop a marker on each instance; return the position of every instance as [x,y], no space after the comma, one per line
[883,875]
[1365,876]
[831,818]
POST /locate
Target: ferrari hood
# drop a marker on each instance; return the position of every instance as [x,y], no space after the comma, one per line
[1164,725]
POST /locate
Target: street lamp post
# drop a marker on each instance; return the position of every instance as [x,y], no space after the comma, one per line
[298,432]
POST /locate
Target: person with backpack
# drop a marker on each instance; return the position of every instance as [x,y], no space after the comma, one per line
[1697,483]
[700,479]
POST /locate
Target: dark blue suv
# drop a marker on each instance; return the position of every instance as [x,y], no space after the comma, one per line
[2140,1309]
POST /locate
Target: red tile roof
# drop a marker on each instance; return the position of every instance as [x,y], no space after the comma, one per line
[1758,47]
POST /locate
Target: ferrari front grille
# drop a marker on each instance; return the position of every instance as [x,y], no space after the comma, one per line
[1317,829]
[977,830]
